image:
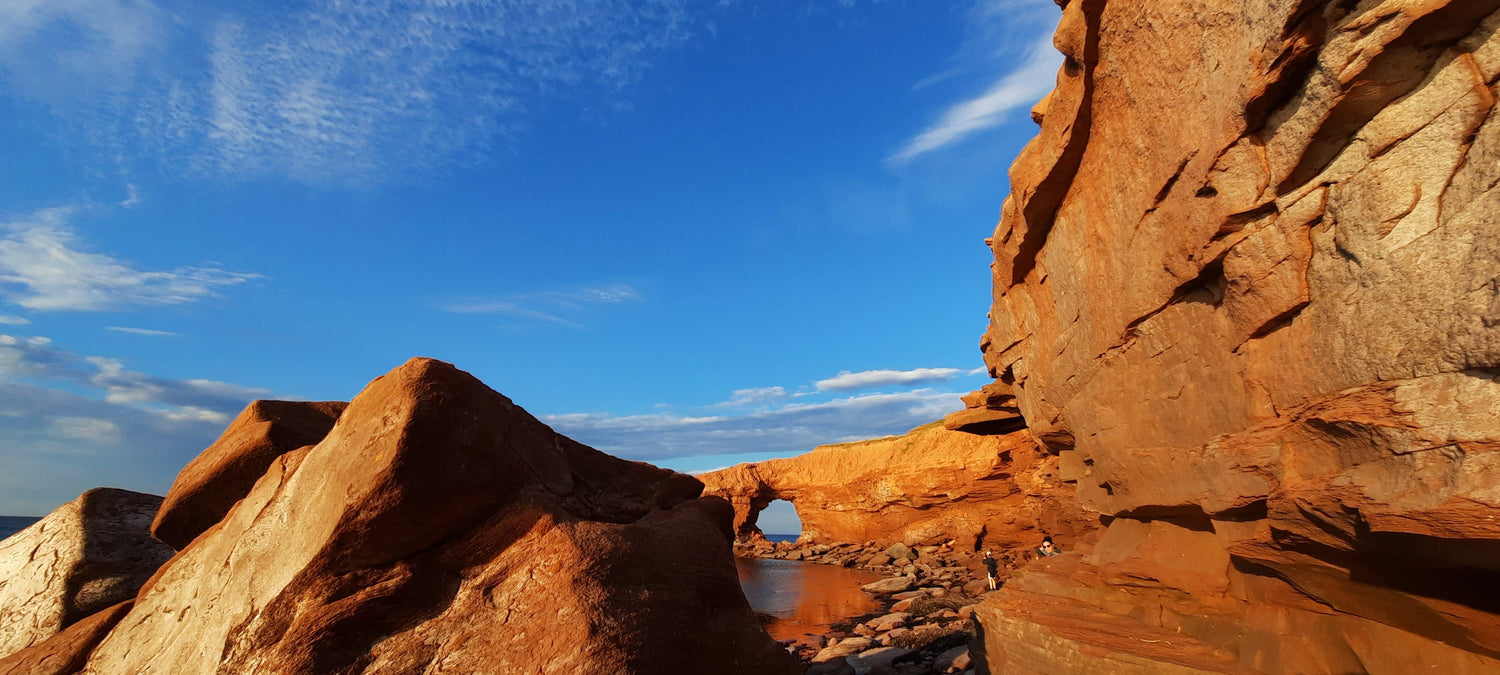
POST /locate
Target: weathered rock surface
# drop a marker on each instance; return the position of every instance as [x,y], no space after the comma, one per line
[1247,285]
[87,555]
[209,485]
[927,486]
[438,527]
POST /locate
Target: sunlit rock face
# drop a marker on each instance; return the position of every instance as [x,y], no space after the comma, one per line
[89,554]
[926,486]
[438,527]
[222,474]
[1247,286]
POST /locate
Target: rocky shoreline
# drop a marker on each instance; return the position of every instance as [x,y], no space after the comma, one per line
[927,599]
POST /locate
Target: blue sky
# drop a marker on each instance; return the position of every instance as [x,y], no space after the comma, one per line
[691,233]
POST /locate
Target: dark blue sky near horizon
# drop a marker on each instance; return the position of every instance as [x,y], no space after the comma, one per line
[690,233]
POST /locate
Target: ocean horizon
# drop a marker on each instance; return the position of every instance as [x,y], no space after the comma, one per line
[10,525]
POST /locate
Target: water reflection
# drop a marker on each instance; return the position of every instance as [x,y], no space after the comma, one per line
[804,597]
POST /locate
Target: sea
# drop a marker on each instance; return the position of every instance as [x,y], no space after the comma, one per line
[10,525]
[782,537]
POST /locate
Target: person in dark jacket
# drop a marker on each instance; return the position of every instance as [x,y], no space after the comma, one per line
[991,569]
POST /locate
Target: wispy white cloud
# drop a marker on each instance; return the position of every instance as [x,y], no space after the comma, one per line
[787,429]
[133,196]
[327,91]
[1008,43]
[43,266]
[1020,88]
[72,422]
[550,306]
[36,359]
[13,320]
[754,396]
[141,331]
[90,429]
[869,379]
[59,443]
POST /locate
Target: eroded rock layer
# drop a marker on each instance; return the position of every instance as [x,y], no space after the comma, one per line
[926,486]
[1247,285]
[438,527]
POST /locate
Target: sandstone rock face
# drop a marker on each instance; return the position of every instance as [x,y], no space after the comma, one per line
[1247,285]
[438,527]
[66,652]
[89,554]
[210,484]
[929,485]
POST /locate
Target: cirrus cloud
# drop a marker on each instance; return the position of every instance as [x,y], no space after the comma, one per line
[323,92]
[870,379]
[45,266]
[789,429]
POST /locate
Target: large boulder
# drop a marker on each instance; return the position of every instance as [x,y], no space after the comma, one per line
[439,526]
[929,485]
[209,485]
[87,555]
[1247,287]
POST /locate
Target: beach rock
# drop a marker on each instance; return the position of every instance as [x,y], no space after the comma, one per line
[66,652]
[222,474]
[952,660]
[928,486]
[87,555]
[834,666]
[1245,290]
[891,585]
[890,621]
[438,526]
[843,648]
[899,551]
[876,658]
[892,635]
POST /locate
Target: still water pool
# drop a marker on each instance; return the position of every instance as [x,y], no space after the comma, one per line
[804,597]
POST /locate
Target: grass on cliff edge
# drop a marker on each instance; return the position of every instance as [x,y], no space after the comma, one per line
[846,444]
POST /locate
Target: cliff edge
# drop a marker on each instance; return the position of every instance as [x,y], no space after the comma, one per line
[1247,289]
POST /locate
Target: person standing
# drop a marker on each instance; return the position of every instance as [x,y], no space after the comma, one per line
[991,568]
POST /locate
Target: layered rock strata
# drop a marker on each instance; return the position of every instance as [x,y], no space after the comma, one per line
[926,486]
[87,555]
[438,527]
[1247,286]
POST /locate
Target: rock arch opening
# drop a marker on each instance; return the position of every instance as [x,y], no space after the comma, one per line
[779,520]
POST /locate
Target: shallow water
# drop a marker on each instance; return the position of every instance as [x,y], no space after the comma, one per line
[804,597]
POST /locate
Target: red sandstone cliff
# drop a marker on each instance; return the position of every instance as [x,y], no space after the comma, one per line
[926,486]
[1247,286]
